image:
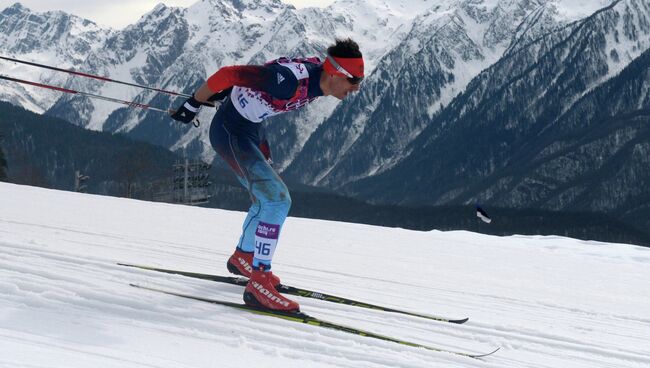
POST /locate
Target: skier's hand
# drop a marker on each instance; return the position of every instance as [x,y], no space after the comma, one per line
[187,112]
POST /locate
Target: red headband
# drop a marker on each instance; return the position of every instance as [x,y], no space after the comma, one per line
[344,67]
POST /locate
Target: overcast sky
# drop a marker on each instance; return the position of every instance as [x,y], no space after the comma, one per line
[120,13]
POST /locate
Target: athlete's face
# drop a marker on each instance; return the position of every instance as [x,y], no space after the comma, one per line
[340,87]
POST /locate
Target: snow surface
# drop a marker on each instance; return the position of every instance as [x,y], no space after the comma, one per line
[572,10]
[547,301]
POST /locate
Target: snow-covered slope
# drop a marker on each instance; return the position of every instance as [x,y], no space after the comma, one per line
[547,301]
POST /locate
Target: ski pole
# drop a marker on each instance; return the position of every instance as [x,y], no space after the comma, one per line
[195,122]
[105,79]
[86,94]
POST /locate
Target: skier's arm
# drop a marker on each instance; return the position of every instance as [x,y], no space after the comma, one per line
[204,94]
[216,88]
[251,76]
[276,80]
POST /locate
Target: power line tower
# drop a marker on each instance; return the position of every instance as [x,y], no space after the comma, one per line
[191,182]
[80,182]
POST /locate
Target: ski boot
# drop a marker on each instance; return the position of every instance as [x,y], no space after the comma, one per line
[260,292]
[241,263]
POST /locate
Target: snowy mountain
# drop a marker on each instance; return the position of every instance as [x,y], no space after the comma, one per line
[54,38]
[548,302]
[446,48]
[457,92]
[176,49]
[553,124]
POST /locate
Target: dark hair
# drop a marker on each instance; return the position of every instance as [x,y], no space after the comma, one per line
[345,48]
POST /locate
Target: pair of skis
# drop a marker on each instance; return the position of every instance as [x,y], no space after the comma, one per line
[302,317]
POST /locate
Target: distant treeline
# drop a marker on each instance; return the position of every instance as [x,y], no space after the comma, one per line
[328,206]
[45,151]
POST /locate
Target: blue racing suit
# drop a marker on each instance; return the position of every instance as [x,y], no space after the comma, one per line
[281,85]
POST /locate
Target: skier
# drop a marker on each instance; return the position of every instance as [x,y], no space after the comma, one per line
[255,93]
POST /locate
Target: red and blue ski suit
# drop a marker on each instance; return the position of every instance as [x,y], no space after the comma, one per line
[259,92]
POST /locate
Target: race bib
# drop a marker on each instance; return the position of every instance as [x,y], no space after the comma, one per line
[266,239]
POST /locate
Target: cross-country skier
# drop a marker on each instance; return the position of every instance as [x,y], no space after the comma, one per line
[254,94]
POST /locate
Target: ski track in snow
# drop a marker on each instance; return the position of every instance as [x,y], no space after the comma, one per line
[546,301]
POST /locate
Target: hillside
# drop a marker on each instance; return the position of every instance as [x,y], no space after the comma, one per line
[546,301]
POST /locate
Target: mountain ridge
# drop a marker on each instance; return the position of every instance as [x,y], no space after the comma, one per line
[440,77]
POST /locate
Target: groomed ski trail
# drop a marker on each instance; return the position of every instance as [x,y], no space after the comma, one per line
[547,301]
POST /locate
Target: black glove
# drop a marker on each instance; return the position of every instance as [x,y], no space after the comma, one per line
[187,112]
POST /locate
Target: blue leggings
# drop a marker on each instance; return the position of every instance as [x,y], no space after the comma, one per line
[238,144]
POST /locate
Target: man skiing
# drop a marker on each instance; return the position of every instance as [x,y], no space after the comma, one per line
[253,93]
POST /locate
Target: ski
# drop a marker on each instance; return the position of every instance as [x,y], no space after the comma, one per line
[286,289]
[313,321]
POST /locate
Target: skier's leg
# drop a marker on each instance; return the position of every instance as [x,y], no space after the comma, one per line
[263,224]
[269,194]
[271,199]
[241,261]
[272,194]
[247,243]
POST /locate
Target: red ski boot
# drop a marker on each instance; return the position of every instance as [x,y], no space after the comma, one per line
[241,263]
[260,292]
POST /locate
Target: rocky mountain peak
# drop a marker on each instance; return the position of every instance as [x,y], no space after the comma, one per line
[16,8]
